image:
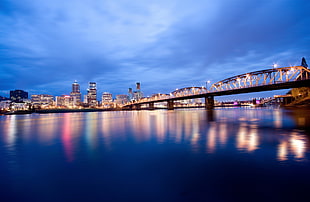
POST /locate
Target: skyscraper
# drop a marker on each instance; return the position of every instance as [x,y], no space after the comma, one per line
[76,94]
[130,94]
[75,87]
[92,94]
[137,94]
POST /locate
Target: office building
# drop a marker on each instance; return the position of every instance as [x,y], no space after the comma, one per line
[106,97]
[42,100]
[76,94]
[64,101]
[137,94]
[92,94]
[130,94]
[18,95]
[121,99]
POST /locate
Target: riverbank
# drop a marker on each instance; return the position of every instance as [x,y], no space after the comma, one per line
[45,111]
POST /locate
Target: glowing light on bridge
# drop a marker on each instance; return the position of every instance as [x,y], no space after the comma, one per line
[268,79]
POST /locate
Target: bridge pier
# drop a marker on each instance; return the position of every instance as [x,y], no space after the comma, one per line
[209,102]
[151,106]
[137,106]
[170,105]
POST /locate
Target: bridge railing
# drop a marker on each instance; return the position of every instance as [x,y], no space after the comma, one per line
[261,78]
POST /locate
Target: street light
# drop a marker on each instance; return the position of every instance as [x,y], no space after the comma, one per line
[274,74]
[207,84]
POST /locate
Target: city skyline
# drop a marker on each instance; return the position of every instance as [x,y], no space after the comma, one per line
[45,47]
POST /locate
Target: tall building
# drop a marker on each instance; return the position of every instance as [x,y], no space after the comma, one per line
[106,97]
[92,94]
[18,95]
[75,87]
[76,94]
[137,94]
[130,94]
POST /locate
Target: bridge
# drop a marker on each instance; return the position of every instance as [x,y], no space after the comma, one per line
[263,80]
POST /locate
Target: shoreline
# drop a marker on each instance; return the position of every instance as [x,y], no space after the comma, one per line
[46,111]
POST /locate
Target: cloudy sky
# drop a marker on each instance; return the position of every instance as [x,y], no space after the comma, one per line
[164,44]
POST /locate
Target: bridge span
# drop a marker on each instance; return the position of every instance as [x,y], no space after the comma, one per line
[263,80]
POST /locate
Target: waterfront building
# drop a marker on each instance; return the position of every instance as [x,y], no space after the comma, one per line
[42,100]
[92,94]
[121,99]
[64,101]
[5,104]
[106,97]
[18,95]
[76,94]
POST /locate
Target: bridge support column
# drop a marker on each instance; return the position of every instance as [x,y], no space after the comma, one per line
[137,107]
[209,102]
[151,106]
[170,105]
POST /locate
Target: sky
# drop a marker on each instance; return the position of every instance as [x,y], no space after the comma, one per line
[46,45]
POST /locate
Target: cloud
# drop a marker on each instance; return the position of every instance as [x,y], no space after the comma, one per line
[164,45]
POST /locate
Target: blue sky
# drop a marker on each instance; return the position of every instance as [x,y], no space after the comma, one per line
[46,45]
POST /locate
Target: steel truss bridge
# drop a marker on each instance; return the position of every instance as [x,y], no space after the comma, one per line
[263,80]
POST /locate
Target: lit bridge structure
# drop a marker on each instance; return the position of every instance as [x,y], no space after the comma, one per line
[263,80]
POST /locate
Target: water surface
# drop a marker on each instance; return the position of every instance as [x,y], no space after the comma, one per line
[237,154]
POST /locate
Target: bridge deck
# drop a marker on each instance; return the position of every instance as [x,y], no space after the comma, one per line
[270,87]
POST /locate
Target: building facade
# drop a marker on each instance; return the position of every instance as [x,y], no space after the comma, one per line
[64,101]
[18,95]
[42,100]
[137,95]
[106,97]
[121,99]
[92,94]
[76,94]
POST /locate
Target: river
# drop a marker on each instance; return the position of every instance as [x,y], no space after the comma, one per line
[227,154]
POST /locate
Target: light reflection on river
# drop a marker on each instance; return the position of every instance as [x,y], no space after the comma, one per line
[262,138]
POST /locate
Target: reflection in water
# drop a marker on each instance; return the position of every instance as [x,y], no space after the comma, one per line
[253,138]
[46,125]
[10,137]
[223,133]
[11,134]
[161,125]
[211,134]
[241,130]
[195,132]
[277,118]
[138,155]
[91,125]
[106,127]
[294,146]
[242,136]
[67,138]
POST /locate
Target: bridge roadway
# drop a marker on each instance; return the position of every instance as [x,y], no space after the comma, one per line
[273,79]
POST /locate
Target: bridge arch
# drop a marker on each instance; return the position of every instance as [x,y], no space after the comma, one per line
[188,91]
[262,77]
